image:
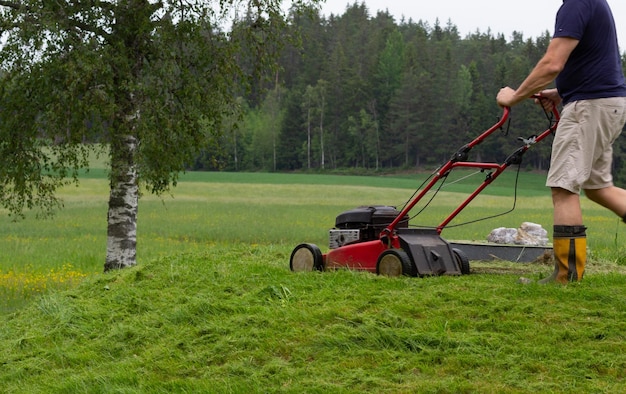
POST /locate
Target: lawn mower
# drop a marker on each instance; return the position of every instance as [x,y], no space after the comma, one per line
[379,239]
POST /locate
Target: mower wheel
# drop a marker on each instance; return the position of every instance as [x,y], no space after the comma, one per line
[395,262]
[306,258]
[463,260]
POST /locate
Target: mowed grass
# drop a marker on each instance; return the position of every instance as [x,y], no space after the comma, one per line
[213,307]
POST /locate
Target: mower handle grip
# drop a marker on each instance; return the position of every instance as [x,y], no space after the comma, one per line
[538,97]
[506,111]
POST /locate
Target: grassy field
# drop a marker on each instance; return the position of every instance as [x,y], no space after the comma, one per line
[213,307]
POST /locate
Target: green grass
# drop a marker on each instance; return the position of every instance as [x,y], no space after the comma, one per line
[460,180]
[213,307]
[232,319]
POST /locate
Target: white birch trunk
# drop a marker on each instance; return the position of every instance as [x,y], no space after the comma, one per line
[123,204]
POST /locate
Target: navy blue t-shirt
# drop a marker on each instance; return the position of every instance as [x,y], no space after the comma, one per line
[594,68]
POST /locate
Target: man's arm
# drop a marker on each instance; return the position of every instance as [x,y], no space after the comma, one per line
[546,70]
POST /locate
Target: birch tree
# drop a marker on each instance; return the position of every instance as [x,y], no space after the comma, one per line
[137,76]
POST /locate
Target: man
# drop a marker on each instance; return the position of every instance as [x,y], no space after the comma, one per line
[584,58]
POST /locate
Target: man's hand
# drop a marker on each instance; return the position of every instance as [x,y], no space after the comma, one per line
[550,98]
[506,97]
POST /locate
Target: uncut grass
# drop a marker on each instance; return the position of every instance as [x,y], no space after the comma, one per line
[530,183]
[232,318]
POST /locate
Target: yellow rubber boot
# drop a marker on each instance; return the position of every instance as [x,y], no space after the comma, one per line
[570,254]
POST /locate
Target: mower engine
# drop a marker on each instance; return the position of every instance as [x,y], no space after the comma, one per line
[363,224]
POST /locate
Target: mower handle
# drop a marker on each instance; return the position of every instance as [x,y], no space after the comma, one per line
[459,160]
[506,112]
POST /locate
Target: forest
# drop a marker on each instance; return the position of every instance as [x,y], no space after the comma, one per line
[362,91]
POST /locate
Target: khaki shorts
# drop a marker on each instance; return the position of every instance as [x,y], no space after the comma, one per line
[582,151]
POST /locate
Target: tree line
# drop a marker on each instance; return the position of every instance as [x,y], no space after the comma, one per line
[365,91]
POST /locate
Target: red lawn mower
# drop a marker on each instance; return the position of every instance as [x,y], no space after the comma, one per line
[379,239]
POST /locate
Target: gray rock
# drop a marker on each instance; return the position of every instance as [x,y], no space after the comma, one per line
[502,235]
[530,234]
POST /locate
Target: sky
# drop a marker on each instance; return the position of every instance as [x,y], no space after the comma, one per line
[531,17]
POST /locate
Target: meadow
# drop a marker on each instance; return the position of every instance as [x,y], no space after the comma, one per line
[213,307]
